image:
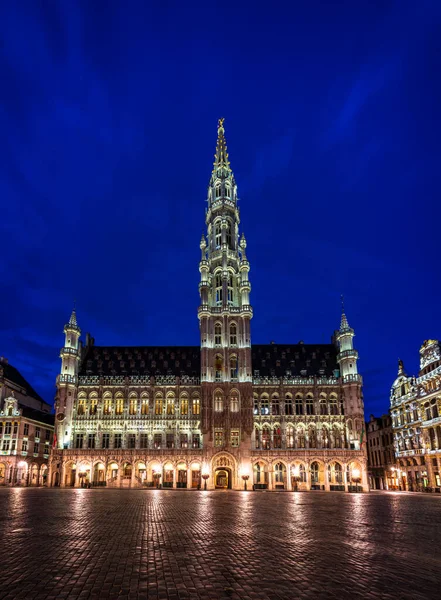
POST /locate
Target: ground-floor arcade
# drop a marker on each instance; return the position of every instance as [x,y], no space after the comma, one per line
[18,471]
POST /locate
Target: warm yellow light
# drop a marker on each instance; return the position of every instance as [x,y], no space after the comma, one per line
[355,473]
[244,471]
[22,464]
[296,471]
[205,469]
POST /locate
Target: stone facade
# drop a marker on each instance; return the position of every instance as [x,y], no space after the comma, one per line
[25,444]
[416,419]
[382,468]
[218,414]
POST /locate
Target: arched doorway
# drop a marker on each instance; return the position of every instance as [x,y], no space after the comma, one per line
[99,474]
[56,479]
[223,478]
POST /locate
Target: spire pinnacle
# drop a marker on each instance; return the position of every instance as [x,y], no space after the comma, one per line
[73,318]
[221,156]
[401,367]
[344,322]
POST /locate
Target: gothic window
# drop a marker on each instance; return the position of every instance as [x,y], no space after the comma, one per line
[333,406]
[170,405]
[158,405]
[229,236]
[288,405]
[218,401]
[107,403]
[218,368]
[264,405]
[256,404]
[300,438]
[315,473]
[227,191]
[299,404]
[230,290]
[337,438]
[435,413]
[312,438]
[93,404]
[234,368]
[184,405]
[133,405]
[81,406]
[275,408]
[427,409]
[217,235]
[323,405]
[196,440]
[218,288]
[302,473]
[290,436]
[233,334]
[325,437]
[218,191]
[144,405]
[119,405]
[219,437]
[218,334]
[277,438]
[234,401]
[234,438]
[279,472]
[196,406]
[309,404]
[257,438]
[266,438]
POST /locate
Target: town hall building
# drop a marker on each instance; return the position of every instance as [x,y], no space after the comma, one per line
[225,414]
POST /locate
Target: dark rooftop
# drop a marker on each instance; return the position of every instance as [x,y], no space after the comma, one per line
[13,375]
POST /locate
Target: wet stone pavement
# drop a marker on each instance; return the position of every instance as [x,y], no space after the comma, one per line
[177,545]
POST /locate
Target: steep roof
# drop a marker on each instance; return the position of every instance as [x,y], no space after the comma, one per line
[14,375]
[269,359]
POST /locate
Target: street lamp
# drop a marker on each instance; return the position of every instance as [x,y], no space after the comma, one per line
[296,477]
[356,477]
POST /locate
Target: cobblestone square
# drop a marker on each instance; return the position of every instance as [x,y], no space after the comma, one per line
[177,545]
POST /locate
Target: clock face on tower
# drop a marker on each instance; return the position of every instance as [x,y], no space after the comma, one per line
[60,416]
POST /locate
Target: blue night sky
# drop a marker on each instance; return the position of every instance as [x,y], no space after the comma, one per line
[108,114]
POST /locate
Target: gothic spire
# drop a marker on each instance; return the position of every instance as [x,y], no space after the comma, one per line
[401,367]
[344,321]
[221,156]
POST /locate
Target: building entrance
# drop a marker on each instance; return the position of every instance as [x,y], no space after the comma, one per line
[223,479]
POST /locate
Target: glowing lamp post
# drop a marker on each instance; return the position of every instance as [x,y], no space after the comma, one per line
[205,476]
[296,478]
[356,478]
[245,476]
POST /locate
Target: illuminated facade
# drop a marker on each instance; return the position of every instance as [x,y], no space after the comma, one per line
[284,416]
[26,429]
[382,471]
[415,406]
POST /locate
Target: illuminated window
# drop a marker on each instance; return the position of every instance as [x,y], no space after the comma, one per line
[312,438]
[323,405]
[93,405]
[218,401]
[144,406]
[184,440]
[24,446]
[277,438]
[275,405]
[315,473]
[279,473]
[264,405]
[218,288]
[133,406]
[290,436]
[218,334]
[158,406]
[170,406]
[107,405]
[196,406]
[235,438]
[233,334]
[184,405]
[256,404]
[302,473]
[196,440]
[300,438]
[234,402]
[218,437]
[217,236]
[81,406]
[230,290]
[119,406]
[266,438]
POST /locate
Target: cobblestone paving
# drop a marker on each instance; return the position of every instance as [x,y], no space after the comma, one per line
[179,545]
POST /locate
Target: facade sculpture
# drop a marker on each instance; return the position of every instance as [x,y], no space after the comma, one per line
[284,416]
[415,406]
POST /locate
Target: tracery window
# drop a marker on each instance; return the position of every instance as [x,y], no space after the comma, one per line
[275,409]
[217,235]
[233,334]
[230,290]
[300,438]
[312,438]
[257,438]
[170,405]
[133,405]
[218,288]
[196,406]
[218,401]
[107,403]
[158,405]
[290,436]
[81,406]
[256,404]
[315,473]
[144,405]
[264,405]
[266,438]
[184,405]
[279,473]
[234,368]
[333,406]
[288,405]
[323,405]
[93,405]
[218,191]
[218,368]
[229,236]
[302,473]
[227,191]
[234,401]
[277,438]
[299,405]
[218,334]
[309,404]
[119,405]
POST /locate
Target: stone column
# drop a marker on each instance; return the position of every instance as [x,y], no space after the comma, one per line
[327,488]
[288,478]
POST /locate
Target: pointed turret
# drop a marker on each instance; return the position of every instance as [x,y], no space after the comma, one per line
[73,319]
[221,160]
[347,357]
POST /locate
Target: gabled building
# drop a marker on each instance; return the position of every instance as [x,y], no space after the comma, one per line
[283,416]
[26,430]
[415,406]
